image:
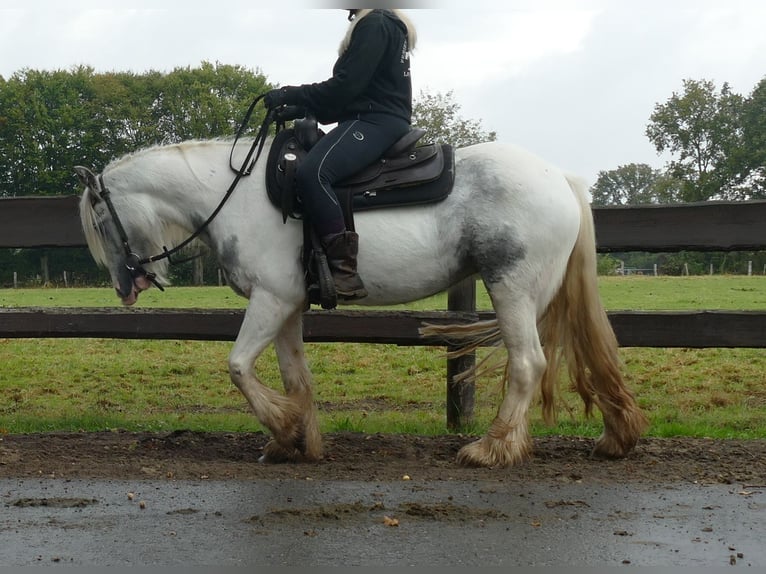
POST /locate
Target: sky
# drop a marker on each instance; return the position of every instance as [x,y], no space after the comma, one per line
[573,81]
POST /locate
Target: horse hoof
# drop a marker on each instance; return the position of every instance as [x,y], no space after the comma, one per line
[276,453]
[490,452]
[608,447]
[472,456]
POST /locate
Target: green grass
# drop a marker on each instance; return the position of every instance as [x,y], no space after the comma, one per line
[633,292]
[728,292]
[92,384]
[172,297]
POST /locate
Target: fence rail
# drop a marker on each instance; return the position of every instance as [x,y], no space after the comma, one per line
[708,226]
[693,329]
[713,226]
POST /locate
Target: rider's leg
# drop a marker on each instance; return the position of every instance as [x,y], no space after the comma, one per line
[351,146]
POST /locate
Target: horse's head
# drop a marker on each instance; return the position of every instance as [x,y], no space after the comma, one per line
[113,238]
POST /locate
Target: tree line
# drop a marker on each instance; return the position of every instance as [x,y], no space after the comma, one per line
[718,142]
[53,120]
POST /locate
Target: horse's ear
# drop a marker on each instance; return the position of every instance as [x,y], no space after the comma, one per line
[88,179]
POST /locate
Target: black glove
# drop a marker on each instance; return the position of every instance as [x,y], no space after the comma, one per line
[289,113]
[281,96]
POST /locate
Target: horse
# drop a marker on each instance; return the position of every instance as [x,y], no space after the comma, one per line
[521,225]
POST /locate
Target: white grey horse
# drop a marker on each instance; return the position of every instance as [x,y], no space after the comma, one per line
[519,223]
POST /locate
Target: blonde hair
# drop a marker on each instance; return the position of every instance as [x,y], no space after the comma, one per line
[412,35]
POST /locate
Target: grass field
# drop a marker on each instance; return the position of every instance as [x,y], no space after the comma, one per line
[92,384]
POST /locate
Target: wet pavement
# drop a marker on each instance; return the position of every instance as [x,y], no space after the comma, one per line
[315,522]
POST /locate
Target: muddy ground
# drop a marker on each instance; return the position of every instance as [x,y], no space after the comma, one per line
[119,498]
[354,456]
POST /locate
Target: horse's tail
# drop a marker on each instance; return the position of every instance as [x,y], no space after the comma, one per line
[575,327]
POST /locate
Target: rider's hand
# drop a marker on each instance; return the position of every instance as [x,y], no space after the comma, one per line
[273,99]
[280,97]
[288,113]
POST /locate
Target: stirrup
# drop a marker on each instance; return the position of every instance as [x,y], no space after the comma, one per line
[323,291]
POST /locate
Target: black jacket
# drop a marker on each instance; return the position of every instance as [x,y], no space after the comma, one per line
[372,75]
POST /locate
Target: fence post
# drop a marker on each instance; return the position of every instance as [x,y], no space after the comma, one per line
[460,394]
[198,271]
[44,268]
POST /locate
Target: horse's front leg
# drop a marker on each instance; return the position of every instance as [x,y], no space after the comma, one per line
[283,415]
[297,381]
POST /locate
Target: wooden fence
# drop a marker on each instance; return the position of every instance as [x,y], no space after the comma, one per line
[712,226]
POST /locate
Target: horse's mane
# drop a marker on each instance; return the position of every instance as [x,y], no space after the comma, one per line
[182,147]
[94,233]
[137,211]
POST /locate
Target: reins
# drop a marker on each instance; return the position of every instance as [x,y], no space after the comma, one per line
[134,262]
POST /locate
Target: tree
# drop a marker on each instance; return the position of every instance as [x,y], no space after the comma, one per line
[43,118]
[439,116]
[206,102]
[752,156]
[704,129]
[634,184]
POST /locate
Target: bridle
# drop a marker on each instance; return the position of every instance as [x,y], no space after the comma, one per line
[134,263]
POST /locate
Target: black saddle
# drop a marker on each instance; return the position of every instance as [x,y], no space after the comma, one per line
[407,174]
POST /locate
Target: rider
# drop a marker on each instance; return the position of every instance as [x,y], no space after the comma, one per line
[370,97]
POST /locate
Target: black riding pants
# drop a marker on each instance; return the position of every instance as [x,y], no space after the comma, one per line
[349,147]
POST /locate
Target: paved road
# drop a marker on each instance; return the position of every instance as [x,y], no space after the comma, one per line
[294,522]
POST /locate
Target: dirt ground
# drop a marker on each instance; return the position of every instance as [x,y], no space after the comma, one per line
[355,456]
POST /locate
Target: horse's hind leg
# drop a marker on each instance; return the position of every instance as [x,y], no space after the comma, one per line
[297,381]
[507,441]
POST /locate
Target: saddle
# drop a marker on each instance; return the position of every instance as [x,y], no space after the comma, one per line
[407,174]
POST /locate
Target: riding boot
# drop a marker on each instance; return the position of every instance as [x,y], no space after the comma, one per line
[341,250]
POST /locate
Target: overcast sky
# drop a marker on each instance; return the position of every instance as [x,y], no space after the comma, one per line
[573,81]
